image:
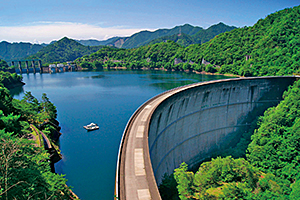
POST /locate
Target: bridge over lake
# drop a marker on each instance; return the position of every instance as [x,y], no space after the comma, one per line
[189,124]
[35,64]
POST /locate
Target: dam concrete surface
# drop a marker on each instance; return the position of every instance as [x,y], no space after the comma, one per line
[189,124]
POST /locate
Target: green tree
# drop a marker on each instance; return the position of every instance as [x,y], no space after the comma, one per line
[25,172]
[48,107]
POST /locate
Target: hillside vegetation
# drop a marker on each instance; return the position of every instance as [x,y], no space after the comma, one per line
[270,47]
[24,164]
[54,53]
[63,50]
[272,44]
[11,51]
[196,35]
[200,37]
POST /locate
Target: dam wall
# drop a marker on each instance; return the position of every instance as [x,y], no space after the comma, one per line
[207,118]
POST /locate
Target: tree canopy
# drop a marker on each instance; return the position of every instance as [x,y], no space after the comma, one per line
[270,47]
[24,166]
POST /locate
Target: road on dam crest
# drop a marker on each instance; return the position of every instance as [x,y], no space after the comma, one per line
[187,124]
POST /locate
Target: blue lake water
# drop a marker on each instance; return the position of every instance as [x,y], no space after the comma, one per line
[107,98]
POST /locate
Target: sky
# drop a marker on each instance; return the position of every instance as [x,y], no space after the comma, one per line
[42,21]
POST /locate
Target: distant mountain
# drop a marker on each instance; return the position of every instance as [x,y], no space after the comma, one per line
[207,34]
[64,50]
[92,42]
[181,39]
[11,51]
[145,37]
[270,47]
[183,35]
[197,35]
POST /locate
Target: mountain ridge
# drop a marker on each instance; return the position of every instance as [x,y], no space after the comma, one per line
[189,35]
[63,50]
[198,33]
[269,47]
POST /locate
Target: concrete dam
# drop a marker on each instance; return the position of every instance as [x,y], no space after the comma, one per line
[189,124]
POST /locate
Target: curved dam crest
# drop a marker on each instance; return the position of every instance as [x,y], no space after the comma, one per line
[189,124]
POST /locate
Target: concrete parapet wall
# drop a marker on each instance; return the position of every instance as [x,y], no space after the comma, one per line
[202,120]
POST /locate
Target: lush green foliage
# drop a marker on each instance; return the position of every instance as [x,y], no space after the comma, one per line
[181,39]
[3,65]
[24,168]
[92,42]
[275,144]
[11,51]
[270,47]
[272,44]
[25,173]
[63,50]
[226,178]
[192,35]
[188,35]
[9,80]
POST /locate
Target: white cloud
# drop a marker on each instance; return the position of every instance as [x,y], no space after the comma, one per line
[45,32]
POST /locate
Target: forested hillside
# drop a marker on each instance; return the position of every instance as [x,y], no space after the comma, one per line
[63,50]
[197,35]
[24,164]
[92,42]
[68,50]
[200,37]
[11,51]
[181,39]
[270,47]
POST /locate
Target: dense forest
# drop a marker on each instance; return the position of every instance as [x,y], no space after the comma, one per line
[270,47]
[63,50]
[24,164]
[197,35]
[11,51]
[7,79]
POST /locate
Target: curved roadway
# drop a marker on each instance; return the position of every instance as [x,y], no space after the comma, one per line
[134,159]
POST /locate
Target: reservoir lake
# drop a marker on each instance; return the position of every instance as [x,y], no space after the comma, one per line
[107,98]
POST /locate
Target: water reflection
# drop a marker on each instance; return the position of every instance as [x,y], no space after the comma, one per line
[98,76]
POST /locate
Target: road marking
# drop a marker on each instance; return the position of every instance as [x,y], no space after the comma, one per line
[144,118]
[139,164]
[144,194]
[147,106]
[140,132]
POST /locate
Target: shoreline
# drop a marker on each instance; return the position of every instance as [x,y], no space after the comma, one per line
[163,69]
[14,85]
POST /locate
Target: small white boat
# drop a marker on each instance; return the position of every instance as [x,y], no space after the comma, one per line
[91,127]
